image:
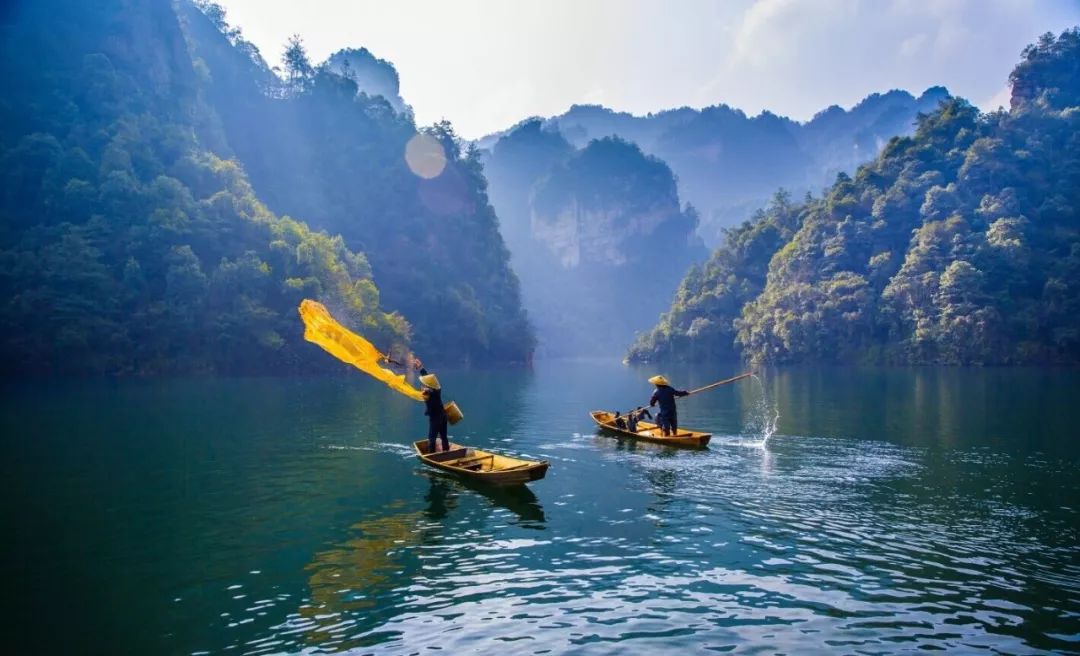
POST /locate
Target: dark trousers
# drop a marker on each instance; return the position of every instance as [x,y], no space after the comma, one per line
[437,427]
[669,422]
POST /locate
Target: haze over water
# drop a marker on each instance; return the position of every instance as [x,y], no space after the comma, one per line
[894,509]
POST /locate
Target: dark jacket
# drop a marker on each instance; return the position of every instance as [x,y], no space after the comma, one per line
[665,396]
[433,405]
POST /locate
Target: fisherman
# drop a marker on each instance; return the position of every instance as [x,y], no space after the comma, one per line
[436,413]
[667,417]
[634,417]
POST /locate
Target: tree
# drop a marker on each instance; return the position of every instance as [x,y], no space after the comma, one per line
[298,68]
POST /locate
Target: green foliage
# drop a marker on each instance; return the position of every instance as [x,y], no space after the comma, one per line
[1047,73]
[336,157]
[700,323]
[298,68]
[607,169]
[957,245]
[125,247]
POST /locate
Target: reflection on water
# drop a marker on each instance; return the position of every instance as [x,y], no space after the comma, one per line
[520,500]
[439,501]
[352,575]
[894,511]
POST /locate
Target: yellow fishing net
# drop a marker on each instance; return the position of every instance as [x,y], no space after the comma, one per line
[337,340]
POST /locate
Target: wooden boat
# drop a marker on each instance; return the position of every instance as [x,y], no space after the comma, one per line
[650,432]
[482,466]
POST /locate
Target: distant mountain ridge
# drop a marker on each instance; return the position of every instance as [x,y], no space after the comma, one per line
[728,163]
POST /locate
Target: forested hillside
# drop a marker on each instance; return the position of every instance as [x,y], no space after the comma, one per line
[315,146]
[132,242]
[728,163]
[957,245]
[598,236]
[126,245]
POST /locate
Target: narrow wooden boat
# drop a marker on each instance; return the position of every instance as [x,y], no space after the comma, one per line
[650,432]
[482,466]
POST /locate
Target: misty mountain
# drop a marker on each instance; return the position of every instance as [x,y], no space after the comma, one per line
[597,234]
[317,146]
[959,244]
[727,163]
[373,76]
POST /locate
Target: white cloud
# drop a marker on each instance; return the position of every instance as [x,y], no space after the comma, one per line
[797,57]
[775,32]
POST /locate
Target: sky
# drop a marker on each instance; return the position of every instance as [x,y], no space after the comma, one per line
[487,64]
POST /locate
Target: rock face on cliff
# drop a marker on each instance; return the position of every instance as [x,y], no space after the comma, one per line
[597,236]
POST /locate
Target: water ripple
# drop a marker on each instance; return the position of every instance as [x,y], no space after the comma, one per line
[331,538]
[817,545]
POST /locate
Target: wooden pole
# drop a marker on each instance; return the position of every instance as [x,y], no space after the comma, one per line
[702,389]
[722,382]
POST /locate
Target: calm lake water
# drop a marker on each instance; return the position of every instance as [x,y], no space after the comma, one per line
[894,510]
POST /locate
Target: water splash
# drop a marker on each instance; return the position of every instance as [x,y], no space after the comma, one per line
[764,416]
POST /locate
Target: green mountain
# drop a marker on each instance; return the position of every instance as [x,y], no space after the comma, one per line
[957,245]
[728,163]
[598,236]
[127,245]
[315,146]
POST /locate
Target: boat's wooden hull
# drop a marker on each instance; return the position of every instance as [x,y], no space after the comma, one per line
[482,466]
[650,432]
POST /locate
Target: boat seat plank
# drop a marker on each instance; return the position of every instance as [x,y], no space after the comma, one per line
[453,454]
[465,461]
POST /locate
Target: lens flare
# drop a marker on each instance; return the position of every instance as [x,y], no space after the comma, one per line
[425,156]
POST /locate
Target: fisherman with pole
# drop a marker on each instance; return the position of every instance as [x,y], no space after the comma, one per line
[668,418]
[665,394]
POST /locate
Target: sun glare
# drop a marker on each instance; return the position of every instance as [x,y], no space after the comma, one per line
[425,156]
